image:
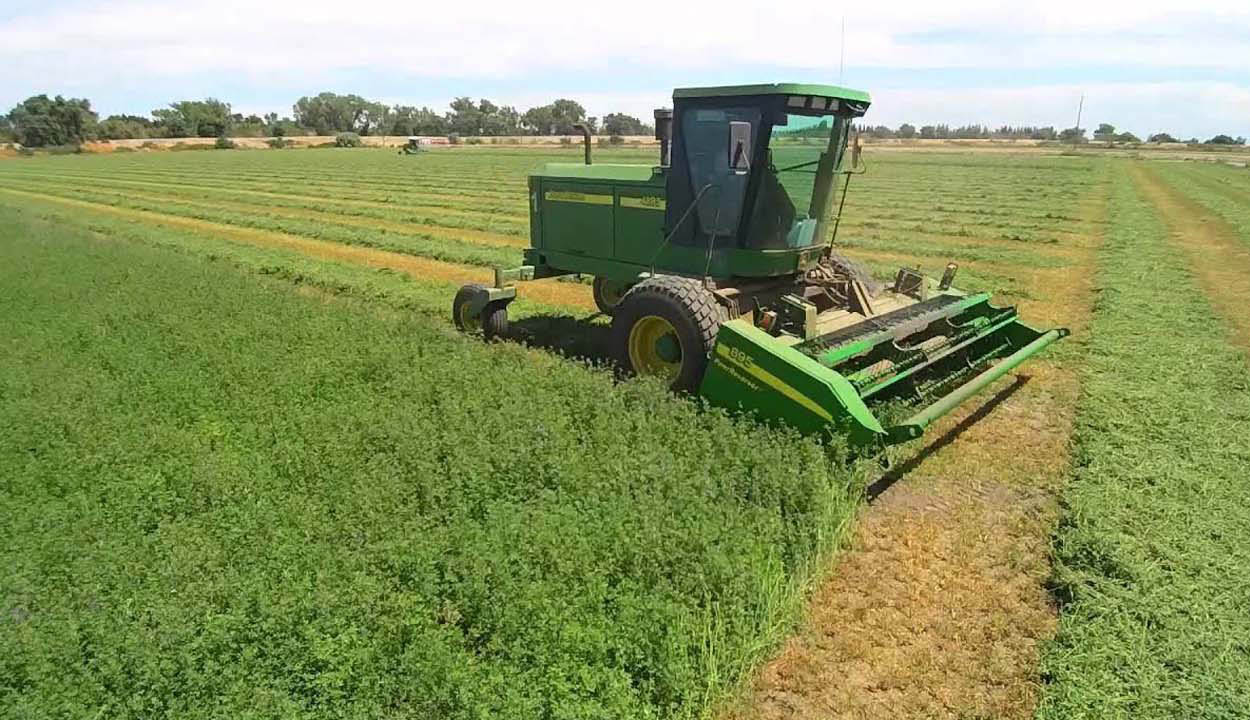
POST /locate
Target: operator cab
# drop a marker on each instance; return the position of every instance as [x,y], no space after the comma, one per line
[753,166]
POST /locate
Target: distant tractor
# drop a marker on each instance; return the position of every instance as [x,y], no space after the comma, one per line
[414,146]
[718,270]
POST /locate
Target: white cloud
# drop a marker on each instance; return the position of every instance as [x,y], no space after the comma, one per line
[1181,108]
[92,48]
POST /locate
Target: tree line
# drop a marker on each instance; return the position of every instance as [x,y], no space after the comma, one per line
[1106,132]
[40,121]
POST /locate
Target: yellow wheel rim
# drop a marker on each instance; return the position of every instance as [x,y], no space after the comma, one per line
[654,348]
[468,320]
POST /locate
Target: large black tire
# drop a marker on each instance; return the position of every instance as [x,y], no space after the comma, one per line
[690,310]
[856,270]
[495,320]
[607,294]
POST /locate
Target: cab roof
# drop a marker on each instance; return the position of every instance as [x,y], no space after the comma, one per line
[828,91]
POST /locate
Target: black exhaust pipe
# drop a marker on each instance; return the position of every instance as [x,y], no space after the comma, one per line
[664,133]
[585,139]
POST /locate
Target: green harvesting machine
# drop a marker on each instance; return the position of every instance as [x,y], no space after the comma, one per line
[718,270]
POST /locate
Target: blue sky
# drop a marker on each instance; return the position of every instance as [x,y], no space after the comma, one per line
[1145,67]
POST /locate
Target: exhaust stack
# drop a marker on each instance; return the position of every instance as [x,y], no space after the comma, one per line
[585,131]
[664,133]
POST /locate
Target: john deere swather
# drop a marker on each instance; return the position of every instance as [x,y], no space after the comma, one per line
[718,270]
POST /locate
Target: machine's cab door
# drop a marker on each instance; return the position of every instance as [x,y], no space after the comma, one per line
[707,174]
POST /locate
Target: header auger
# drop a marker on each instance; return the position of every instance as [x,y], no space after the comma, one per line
[718,270]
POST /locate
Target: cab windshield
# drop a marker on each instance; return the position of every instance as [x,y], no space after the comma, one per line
[787,211]
[796,150]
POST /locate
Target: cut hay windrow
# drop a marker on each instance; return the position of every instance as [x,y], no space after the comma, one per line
[1151,559]
[407,243]
[390,224]
[453,204]
[552,293]
[391,219]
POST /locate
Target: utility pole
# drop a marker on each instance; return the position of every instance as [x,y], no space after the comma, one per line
[1076,136]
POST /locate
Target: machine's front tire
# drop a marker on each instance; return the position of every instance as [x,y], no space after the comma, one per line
[666,326]
[608,294]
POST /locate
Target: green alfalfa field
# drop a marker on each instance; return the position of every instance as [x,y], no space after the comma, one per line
[248,469]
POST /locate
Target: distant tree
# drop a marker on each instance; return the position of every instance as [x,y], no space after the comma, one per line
[348,140]
[1161,138]
[6,129]
[622,124]
[558,118]
[906,131]
[330,113]
[248,126]
[1073,135]
[928,132]
[1127,137]
[879,131]
[465,118]
[281,127]
[409,120]
[1225,140]
[1105,131]
[498,120]
[482,118]
[1024,132]
[39,121]
[970,132]
[195,118]
[125,127]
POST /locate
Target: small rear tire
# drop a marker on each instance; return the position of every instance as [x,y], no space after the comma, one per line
[608,294]
[461,308]
[492,320]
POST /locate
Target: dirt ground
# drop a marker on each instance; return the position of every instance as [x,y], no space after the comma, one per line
[939,608]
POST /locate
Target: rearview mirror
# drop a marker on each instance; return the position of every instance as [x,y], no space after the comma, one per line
[739,146]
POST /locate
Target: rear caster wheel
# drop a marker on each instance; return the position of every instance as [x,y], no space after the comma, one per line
[608,294]
[495,321]
[491,320]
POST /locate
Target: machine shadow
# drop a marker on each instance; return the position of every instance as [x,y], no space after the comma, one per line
[574,337]
[898,472]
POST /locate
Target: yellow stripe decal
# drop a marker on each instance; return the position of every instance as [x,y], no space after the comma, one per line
[576,197]
[772,381]
[646,202]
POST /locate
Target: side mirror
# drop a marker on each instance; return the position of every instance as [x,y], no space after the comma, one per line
[739,146]
[856,150]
